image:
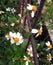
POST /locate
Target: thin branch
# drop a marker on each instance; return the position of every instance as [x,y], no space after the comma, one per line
[34,51]
[32,41]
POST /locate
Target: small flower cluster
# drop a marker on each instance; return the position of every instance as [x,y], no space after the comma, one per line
[9,9]
[49,46]
[30,53]
[15,38]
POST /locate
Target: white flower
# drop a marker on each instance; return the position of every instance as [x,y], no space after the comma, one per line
[9,36]
[1,11]
[8,9]
[13,10]
[49,57]
[17,39]
[38,32]
[30,52]
[32,8]
[27,59]
[49,45]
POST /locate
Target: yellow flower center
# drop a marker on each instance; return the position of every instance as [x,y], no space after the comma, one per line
[30,52]
[9,37]
[27,58]
[40,32]
[34,8]
[50,46]
[16,40]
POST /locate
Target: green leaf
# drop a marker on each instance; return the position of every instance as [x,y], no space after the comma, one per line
[12,19]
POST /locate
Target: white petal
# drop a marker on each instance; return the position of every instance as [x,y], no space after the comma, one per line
[12,41]
[12,24]
[32,14]
[18,34]
[31,55]
[8,9]
[29,7]
[47,43]
[7,37]
[34,31]
[21,37]
[21,41]
[28,49]
[26,62]
[17,43]
[11,34]
[24,57]
[37,35]
[14,35]
[2,11]
[41,28]
[19,15]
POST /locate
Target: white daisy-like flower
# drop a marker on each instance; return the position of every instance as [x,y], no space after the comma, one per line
[49,45]
[27,59]
[17,38]
[29,51]
[13,10]
[38,32]
[49,57]
[32,8]
[1,11]
[8,9]
[9,36]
